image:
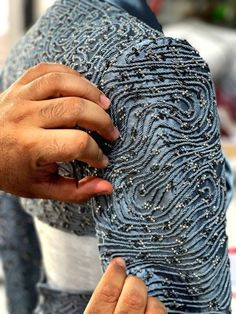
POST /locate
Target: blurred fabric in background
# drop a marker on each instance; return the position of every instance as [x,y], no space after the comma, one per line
[209,25]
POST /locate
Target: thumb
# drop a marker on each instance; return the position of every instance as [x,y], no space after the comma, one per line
[72,191]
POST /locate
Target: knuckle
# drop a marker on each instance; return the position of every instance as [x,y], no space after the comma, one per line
[81,102]
[44,156]
[41,67]
[53,79]
[10,95]
[134,300]
[40,159]
[62,67]
[56,146]
[55,110]
[37,84]
[26,142]
[38,68]
[18,113]
[75,106]
[109,293]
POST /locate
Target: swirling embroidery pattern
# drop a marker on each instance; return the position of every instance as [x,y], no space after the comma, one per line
[88,37]
[166,216]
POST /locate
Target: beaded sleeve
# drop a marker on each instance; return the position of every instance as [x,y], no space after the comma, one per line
[166,216]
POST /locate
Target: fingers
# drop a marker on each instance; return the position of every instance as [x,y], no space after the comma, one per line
[42,69]
[65,145]
[70,112]
[154,306]
[60,84]
[133,298]
[107,293]
[116,294]
[66,190]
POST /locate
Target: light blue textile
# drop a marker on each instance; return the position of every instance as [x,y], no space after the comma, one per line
[166,216]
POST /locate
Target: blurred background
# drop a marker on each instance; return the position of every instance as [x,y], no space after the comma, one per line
[209,25]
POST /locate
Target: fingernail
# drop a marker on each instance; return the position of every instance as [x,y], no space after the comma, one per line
[114,133]
[119,261]
[105,160]
[105,101]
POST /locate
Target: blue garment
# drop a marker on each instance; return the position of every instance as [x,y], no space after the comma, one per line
[141,10]
[20,255]
[166,216]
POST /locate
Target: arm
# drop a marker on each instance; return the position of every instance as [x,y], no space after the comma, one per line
[38,114]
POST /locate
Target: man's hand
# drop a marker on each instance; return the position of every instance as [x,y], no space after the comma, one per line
[38,114]
[116,293]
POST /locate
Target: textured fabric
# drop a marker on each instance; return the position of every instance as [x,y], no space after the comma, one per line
[166,216]
[20,254]
[58,302]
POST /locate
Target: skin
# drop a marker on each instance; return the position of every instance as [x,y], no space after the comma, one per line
[38,114]
[121,294]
